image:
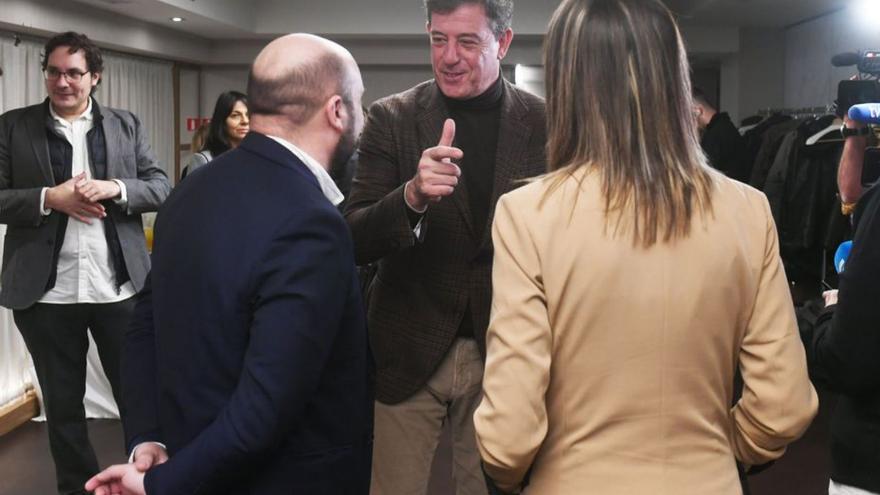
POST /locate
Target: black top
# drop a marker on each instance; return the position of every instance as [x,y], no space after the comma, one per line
[843,353]
[476,134]
[725,148]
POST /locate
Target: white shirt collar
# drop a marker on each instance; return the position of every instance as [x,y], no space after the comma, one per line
[328,187]
[86,115]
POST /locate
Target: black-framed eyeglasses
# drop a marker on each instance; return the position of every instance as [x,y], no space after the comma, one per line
[72,76]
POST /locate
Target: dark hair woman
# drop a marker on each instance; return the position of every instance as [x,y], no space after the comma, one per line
[229,125]
[630,282]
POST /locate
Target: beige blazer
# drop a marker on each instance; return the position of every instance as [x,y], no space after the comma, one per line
[610,368]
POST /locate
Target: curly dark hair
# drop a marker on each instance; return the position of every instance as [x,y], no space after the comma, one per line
[74,43]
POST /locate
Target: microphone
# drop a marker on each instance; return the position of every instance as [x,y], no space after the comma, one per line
[841,255]
[866,113]
[846,59]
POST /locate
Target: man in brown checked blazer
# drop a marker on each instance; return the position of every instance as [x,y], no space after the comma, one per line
[433,162]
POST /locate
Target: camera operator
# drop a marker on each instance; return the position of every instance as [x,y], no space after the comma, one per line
[843,348]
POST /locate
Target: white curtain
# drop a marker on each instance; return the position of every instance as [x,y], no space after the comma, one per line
[145,88]
[141,86]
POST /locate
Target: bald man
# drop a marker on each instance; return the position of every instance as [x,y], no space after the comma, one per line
[245,367]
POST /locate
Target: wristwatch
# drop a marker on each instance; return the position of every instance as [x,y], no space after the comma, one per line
[849,131]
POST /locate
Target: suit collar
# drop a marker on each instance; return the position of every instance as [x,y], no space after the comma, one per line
[37,121]
[271,150]
[114,138]
[328,187]
[510,157]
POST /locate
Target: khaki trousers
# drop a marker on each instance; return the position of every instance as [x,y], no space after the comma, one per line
[406,434]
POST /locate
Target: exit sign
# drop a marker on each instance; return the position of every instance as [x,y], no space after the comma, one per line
[193,123]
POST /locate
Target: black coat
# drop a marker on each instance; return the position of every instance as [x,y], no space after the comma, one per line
[247,354]
[843,353]
[725,148]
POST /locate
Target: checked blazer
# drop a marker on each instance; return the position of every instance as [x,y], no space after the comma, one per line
[424,285]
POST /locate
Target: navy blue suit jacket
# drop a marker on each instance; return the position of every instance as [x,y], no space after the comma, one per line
[247,351]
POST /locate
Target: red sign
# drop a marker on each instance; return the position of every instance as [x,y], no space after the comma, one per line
[193,123]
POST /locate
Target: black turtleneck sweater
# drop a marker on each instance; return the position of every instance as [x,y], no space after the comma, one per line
[477,121]
[476,134]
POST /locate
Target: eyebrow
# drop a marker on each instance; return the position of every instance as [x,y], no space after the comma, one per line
[460,36]
[68,70]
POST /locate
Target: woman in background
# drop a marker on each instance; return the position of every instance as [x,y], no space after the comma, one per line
[228,126]
[199,137]
[628,284]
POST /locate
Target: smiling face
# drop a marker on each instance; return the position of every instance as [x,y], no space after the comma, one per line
[69,98]
[465,54]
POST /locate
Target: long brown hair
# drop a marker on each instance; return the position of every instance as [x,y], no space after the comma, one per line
[619,103]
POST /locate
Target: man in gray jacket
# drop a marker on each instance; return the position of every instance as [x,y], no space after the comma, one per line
[74,180]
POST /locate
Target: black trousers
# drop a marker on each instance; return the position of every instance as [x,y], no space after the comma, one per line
[56,336]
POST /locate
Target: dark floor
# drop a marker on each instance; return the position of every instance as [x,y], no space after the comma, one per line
[25,464]
[26,468]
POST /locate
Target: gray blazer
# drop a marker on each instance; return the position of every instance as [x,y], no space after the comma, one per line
[25,170]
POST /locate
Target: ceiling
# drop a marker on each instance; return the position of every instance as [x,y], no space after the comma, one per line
[753,13]
[259,19]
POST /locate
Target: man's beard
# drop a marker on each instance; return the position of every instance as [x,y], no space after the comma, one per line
[342,154]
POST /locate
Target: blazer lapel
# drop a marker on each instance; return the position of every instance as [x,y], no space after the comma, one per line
[37,133]
[430,126]
[513,138]
[112,137]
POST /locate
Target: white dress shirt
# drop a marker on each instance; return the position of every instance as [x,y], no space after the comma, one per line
[328,187]
[839,489]
[84,273]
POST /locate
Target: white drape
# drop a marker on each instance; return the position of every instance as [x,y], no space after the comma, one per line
[145,88]
[141,86]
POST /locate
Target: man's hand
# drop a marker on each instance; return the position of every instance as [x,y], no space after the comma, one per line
[121,479]
[830,297]
[849,172]
[437,176]
[98,190]
[67,199]
[149,454]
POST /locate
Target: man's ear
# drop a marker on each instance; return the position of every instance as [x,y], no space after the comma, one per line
[96,76]
[504,43]
[334,110]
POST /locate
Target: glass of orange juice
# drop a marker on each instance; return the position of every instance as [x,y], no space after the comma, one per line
[148,235]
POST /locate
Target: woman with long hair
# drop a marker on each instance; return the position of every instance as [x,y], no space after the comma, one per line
[229,125]
[629,284]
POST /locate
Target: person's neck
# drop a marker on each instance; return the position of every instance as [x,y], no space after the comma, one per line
[309,143]
[709,115]
[489,98]
[70,115]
